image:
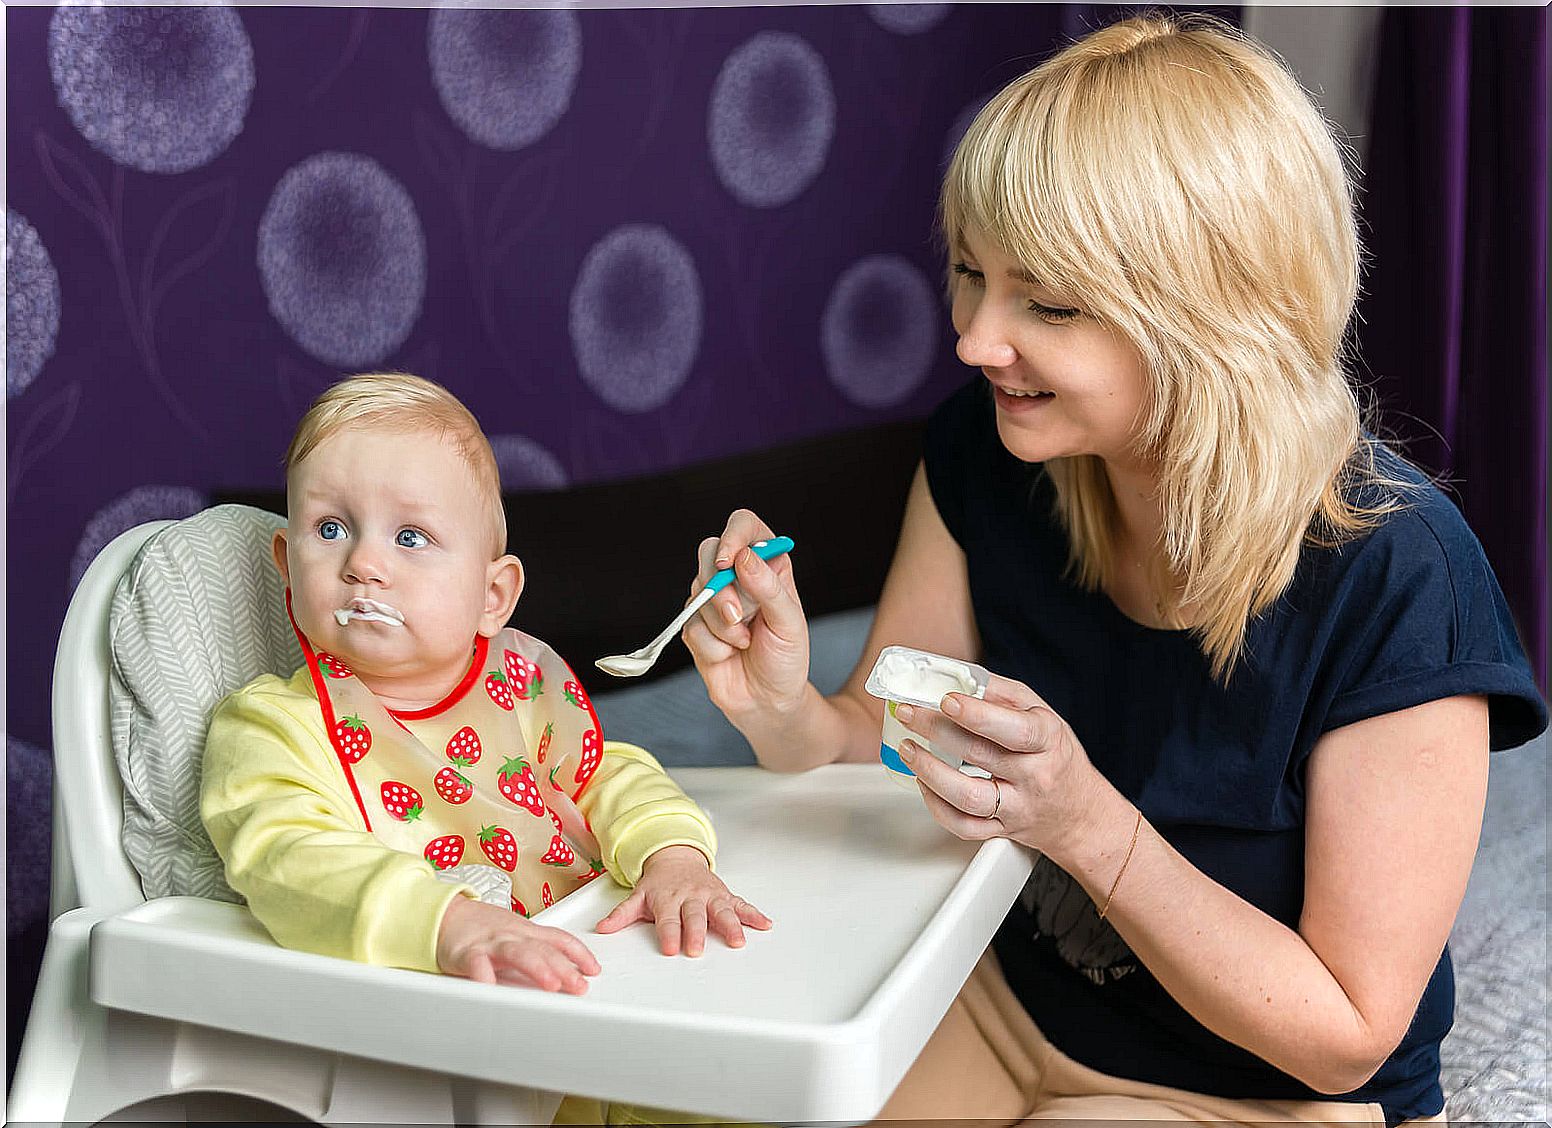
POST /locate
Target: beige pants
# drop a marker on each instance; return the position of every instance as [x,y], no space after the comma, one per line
[988,1062]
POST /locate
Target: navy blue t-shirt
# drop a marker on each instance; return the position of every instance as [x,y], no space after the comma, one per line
[1407,613]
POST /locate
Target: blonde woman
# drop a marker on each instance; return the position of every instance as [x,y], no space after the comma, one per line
[1252,662]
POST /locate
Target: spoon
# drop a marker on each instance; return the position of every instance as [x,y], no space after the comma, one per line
[638,662]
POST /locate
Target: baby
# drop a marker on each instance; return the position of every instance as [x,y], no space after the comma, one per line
[426,756]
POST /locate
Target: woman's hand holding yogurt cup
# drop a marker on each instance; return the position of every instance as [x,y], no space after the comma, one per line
[750,640]
[1043,787]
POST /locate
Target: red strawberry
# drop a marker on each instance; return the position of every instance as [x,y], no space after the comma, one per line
[453,786]
[517,907]
[499,846]
[402,801]
[445,852]
[559,853]
[500,692]
[332,667]
[544,741]
[592,872]
[592,755]
[464,747]
[554,818]
[545,895]
[517,783]
[352,738]
[526,678]
[576,695]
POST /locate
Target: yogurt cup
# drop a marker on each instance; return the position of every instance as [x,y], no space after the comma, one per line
[905,676]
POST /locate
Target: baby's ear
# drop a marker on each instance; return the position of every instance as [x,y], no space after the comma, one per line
[504,583]
[277,548]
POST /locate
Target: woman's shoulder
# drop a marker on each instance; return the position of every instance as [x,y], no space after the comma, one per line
[1410,610]
[1415,528]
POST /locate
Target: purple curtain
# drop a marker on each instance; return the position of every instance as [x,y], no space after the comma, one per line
[1453,328]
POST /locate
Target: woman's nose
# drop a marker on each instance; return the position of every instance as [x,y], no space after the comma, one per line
[983,342]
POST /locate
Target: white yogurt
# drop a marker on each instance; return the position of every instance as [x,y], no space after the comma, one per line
[903,675]
[369,611]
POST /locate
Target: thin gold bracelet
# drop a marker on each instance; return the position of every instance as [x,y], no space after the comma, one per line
[1136,826]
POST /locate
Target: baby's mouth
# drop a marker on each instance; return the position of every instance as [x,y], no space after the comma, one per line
[369,611]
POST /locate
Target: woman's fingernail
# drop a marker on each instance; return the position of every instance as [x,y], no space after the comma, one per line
[730,614]
[907,750]
[951,705]
[724,561]
[904,713]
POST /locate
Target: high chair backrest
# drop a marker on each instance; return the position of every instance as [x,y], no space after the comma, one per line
[170,618]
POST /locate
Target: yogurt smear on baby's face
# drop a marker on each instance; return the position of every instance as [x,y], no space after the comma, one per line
[368,611]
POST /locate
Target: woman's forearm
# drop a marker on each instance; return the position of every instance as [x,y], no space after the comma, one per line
[1242,974]
[817,730]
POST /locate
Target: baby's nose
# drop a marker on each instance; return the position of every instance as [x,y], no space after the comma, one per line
[364,566]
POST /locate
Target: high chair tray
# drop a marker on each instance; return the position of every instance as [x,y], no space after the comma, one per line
[879,916]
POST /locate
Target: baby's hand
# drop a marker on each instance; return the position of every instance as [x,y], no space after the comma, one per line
[491,945]
[678,890]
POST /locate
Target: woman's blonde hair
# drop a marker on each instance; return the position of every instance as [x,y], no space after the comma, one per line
[399,403]
[1171,176]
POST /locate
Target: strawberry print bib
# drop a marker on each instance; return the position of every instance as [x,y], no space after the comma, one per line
[489,775]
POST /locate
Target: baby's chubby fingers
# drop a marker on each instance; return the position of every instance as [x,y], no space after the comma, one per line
[625,914]
[692,914]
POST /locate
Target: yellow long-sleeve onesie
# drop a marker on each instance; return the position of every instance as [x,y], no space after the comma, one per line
[280,811]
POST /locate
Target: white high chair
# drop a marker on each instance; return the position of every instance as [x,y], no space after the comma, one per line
[145,1002]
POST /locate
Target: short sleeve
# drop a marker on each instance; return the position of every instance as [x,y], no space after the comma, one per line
[955,433]
[1426,620]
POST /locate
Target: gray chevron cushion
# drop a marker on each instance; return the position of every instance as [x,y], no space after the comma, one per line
[200,613]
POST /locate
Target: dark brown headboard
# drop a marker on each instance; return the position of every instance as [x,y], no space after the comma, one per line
[610,563]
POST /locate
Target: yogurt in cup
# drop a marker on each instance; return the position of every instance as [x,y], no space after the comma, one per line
[903,675]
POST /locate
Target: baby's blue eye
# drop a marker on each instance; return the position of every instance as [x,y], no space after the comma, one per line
[331,530]
[411,538]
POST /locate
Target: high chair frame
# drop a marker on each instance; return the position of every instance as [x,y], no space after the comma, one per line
[141,1005]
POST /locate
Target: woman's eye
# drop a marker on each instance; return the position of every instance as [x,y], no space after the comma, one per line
[969,274]
[331,530]
[1054,314]
[412,538]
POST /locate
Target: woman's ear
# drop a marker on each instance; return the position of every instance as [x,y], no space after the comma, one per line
[504,583]
[277,548]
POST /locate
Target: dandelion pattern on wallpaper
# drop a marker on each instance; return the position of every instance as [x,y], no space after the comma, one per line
[622,236]
[880,330]
[343,259]
[636,317]
[526,465]
[505,77]
[31,303]
[909,19]
[139,505]
[156,89]
[772,119]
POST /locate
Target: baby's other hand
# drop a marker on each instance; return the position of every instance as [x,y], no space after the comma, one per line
[679,892]
[491,945]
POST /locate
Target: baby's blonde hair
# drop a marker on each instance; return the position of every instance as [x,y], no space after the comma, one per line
[1170,176]
[400,403]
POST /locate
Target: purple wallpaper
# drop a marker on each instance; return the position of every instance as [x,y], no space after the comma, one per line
[628,239]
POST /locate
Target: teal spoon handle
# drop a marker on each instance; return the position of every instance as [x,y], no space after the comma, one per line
[765,550]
